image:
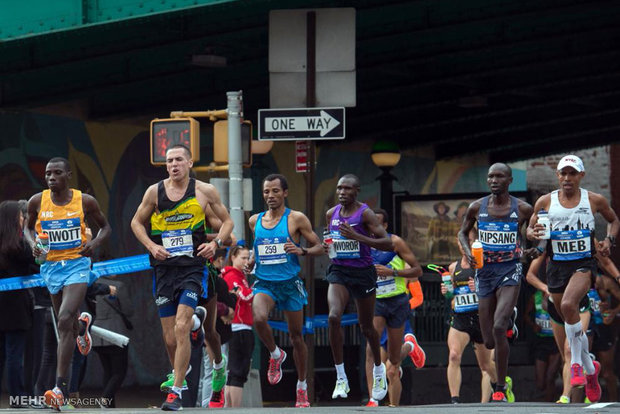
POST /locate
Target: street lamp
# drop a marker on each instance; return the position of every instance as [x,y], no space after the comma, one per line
[385,155]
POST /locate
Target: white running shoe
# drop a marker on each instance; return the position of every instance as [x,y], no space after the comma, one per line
[379,385]
[341,389]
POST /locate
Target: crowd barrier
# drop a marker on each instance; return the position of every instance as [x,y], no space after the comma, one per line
[140,263]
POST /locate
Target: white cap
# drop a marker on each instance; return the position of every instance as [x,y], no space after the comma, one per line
[572,161]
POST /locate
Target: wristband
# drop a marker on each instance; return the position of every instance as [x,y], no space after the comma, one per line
[303,251]
[612,240]
[395,273]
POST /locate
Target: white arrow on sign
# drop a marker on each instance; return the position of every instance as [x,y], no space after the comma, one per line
[324,123]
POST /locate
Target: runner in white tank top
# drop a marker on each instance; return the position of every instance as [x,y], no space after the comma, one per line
[572,265]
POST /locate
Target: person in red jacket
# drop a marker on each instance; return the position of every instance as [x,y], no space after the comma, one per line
[241,343]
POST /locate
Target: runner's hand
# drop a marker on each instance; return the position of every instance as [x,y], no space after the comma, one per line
[159,252]
[290,248]
[347,231]
[207,250]
[383,271]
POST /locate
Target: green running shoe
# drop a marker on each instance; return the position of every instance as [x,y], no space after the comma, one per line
[166,386]
[219,377]
[510,397]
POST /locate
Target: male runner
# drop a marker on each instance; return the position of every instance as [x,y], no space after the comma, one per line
[354,229]
[392,308]
[175,208]
[277,234]
[499,218]
[572,268]
[60,212]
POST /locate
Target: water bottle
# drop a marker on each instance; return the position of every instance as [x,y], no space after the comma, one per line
[543,218]
[476,251]
[327,238]
[446,279]
[43,243]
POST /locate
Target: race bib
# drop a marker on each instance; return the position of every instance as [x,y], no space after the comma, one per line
[544,322]
[385,285]
[271,251]
[498,236]
[63,233]
[178,242]
[465,302]
[345,248]
[571,244]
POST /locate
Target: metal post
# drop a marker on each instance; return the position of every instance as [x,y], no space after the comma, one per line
[310,102]
[235,168]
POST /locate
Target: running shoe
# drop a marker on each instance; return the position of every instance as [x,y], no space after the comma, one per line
[577,379]
[302,399]
[379,385]
[510,397]
[54,398]
[418,356]
[166,386]
[197,336]
[593,388]
[217,399]
[499,396]
[84,341]
[513,332]
[563,400]
[372,403]
[274,373]
[219,377]
[341,389]
[172,403]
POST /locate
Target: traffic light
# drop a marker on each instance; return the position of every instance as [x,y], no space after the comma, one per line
[220,142]
[166,133]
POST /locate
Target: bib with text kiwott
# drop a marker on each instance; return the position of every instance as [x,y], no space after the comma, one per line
[64,233]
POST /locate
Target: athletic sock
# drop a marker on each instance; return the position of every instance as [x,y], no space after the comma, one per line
[574,333]
[176,390]
[302,385]
[63,384]
[588,365]
[196,323]
[455,400]
[340,371]
[219,365]
[410,345]
[276,353]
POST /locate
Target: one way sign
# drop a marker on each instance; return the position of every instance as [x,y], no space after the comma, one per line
[296,124]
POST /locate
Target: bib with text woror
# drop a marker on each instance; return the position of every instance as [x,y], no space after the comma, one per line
[465,300]
[63,233]
[178,242]
[345,248]
[571,244]
[270,250]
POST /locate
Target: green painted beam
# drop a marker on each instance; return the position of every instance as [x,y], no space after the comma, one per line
[36,17]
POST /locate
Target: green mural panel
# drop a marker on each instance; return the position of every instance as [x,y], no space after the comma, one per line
[19,19]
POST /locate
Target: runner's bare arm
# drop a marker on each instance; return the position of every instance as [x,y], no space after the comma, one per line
[93,212]
[34,204]
[304,228]
[207,250]
[381,241]
[601,205]
[139,220]
[535,230]
[414,270]
[469,221]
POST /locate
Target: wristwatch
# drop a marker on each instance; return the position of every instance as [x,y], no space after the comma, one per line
[611,239]
[303,251]
[218,241]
